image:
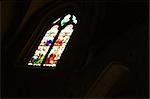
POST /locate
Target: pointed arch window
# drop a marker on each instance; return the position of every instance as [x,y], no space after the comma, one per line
[53,43]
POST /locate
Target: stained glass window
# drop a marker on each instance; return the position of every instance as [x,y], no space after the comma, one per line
[54,42]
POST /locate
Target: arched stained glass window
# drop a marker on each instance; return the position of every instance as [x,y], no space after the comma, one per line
[54,42]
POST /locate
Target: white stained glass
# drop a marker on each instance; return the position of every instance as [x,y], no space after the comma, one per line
[56,21]
[74,19]
[53,29]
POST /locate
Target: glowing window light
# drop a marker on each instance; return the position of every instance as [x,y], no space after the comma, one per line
[56,21]
[74,19]
[60,43]
[65,20]
[59,46]
[43,47]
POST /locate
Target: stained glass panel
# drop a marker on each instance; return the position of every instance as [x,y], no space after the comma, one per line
[59,46]
[45,44]
[56,21]
[74,19]
[65,19]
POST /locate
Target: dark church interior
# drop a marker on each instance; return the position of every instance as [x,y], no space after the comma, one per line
[107,55]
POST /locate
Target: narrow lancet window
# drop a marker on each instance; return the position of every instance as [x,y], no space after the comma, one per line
[45,44]
[54,42]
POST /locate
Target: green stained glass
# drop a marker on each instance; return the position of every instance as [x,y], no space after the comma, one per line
[65,20]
